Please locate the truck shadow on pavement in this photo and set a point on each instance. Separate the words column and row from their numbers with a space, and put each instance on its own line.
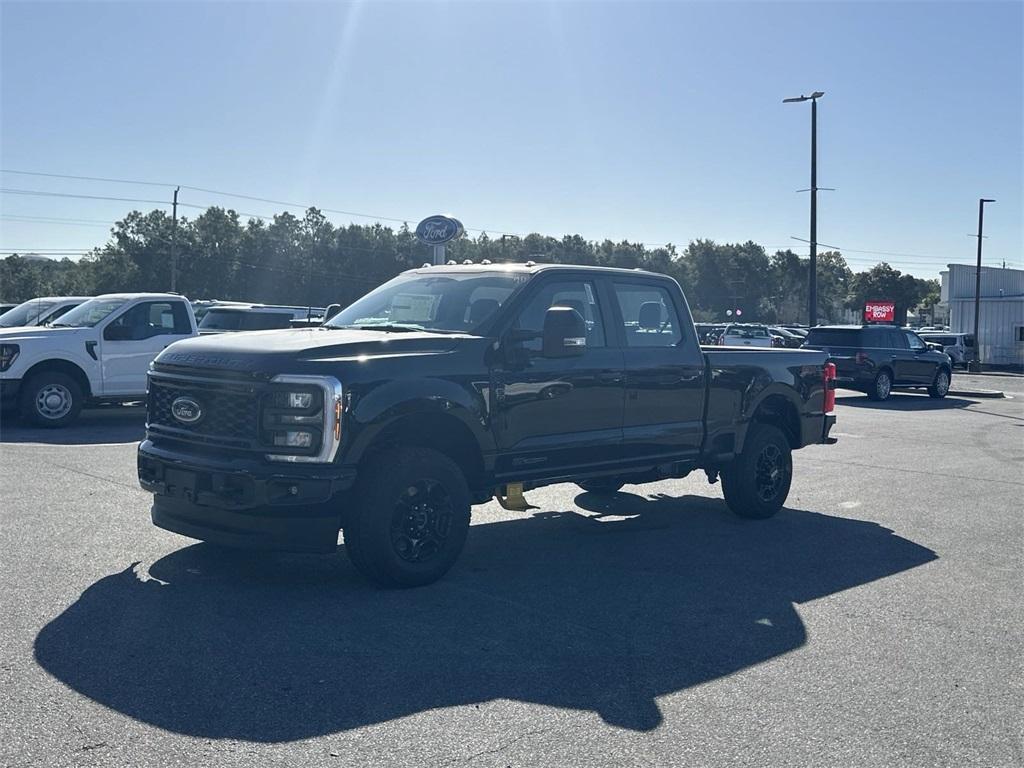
column 906, row 401
column 598, row 612
column 110, row 424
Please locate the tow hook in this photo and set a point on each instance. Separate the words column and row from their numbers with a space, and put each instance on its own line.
column 513, row 499
column 712, row 475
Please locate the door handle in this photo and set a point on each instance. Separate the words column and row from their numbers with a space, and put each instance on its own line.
column 611, row 377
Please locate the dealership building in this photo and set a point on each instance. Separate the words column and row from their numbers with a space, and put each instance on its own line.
column 1001, row 318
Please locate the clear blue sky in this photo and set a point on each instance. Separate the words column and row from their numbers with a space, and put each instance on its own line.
column 654, row 123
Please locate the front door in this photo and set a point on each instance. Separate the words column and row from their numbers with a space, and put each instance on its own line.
column 921, row 363
column 134, row 338
column 553, row 415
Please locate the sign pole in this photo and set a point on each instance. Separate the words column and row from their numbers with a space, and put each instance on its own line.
column 439, row 255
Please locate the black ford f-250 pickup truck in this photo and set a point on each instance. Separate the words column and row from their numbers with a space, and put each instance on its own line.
column 450, row 385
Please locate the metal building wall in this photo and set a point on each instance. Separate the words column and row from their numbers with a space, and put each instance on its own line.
column 999, row 324
column 962, row 278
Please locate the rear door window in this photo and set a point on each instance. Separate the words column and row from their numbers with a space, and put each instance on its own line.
column 649, row 316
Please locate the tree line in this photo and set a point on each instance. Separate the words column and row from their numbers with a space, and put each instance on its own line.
column 307, row 260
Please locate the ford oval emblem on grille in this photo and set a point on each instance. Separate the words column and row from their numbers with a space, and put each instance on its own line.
column 186, row 410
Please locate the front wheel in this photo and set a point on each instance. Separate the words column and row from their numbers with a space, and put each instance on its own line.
column 940, row 387
column 756, row 483
column 51, row 399
column 410, row 519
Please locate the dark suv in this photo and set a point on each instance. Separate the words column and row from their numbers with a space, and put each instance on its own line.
column 877, row 358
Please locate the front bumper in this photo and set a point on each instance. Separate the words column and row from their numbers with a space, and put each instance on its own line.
column 9, row 389
column 243, row 503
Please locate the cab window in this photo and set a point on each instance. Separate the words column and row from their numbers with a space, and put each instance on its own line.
column 915, row 343
column 575, row 294
column 148, row 319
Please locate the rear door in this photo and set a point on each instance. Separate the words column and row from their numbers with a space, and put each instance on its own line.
column 132, row 339
column 664, row 366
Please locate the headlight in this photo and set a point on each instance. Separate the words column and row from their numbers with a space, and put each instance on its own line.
column 300, row 400
column 8, row 354
column 300, row 419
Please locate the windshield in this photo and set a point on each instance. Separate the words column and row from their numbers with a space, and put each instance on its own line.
column 91, row 312
column 27, row 313
column 438, row 301
column 243, row 320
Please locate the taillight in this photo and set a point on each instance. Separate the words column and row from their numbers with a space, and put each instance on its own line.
column 860, row 357
column 829, row 378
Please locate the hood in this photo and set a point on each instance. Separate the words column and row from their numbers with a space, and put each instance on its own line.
column 38, row 332
column 272, row 351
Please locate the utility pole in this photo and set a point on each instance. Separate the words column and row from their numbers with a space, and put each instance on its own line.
column 976, row 363
column 174, row 241
column 812, row 278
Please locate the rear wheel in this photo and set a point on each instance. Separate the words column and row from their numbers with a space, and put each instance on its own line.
column 881, row 387
column 51, row 399
column 410, row 518
column 601, row 485
column 940, row 387
column 756, row 484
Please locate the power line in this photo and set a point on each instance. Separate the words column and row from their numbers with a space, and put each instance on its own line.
column 86, row 178
column 55, row 220
column 9, row 191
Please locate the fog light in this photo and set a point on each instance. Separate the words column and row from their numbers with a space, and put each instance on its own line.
column 300, row 399
column 293, row 439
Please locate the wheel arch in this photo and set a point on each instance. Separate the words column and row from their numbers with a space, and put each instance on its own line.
column 779, row 410
column 432, row 428
column 62, row 366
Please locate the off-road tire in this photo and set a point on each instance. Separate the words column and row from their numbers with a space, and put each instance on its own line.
column 757, row 481
column 50, row 399
column 409, row 503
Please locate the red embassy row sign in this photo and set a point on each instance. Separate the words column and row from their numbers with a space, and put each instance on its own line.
column 879, row 312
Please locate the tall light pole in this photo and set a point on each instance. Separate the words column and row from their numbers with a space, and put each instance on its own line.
column 976, row 363
column 812, row 280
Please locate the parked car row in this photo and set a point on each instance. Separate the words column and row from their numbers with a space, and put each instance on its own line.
column 875, row 359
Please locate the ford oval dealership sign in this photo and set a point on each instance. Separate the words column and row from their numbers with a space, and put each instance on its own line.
column 438, row 230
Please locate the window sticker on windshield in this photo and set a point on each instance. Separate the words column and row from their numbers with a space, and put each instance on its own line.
column 414, row 308
column 590, row 293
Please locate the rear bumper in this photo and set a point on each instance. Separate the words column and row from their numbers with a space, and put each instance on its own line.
column 243, row 503
column 830, row 421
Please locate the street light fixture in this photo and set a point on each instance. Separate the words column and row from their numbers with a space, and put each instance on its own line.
column 975, row 364
column 812, row 280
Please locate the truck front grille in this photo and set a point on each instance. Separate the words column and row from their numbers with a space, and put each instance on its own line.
column 229, row 411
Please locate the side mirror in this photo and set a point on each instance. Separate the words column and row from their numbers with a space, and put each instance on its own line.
column 565, row 333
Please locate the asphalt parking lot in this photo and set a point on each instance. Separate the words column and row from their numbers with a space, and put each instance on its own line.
column 874, row 622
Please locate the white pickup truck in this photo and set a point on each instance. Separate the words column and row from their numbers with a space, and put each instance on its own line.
column 98, row 352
